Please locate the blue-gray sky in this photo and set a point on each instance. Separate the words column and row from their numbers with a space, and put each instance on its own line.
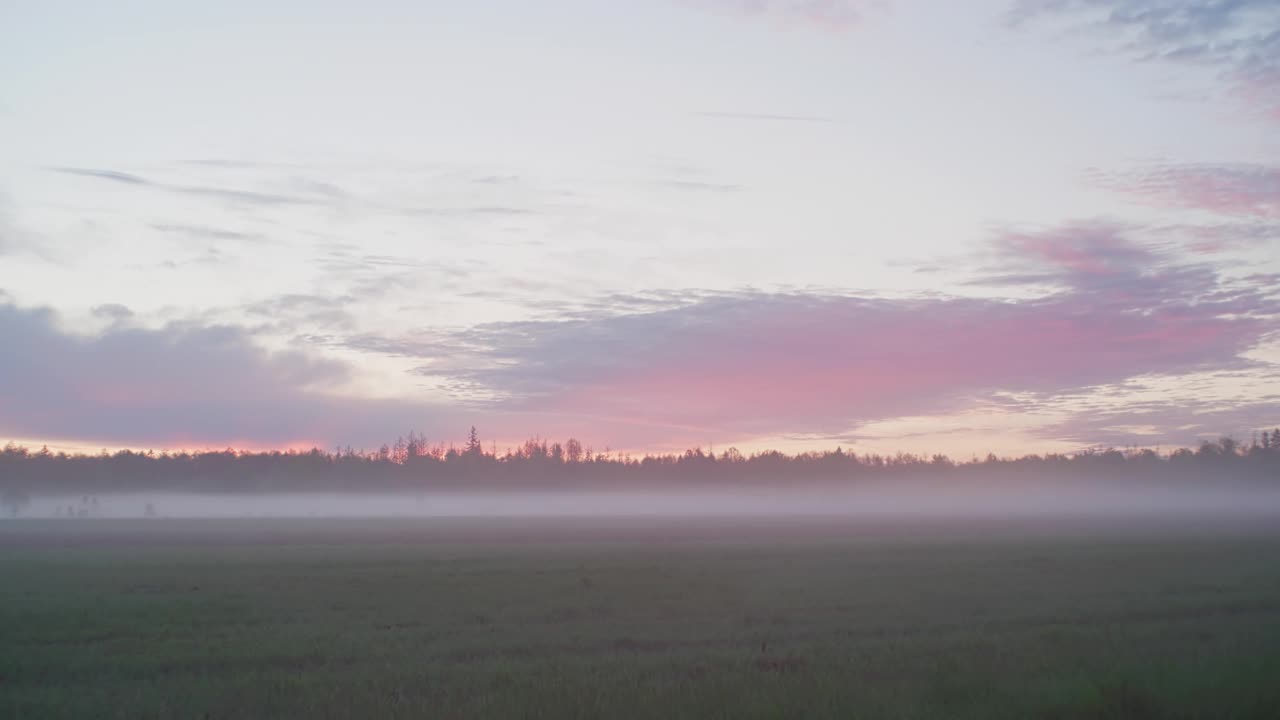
column 894, row 224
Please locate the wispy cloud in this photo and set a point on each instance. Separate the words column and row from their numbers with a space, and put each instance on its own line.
column 496, row 211
column 204, row 232
column 1238, row 38
column 295, row 312
column 237, row 164
column 112, row 175
column 15, row 240
column 1240, row 189
column 112, row 311
column 232, row 195
column 1214, row 238
column 701, row 186
column 830, row 14
column 767, row 117
column 1151, row 411
column 246, row 197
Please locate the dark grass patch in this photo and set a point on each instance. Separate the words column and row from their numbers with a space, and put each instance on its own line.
column 1073, row 627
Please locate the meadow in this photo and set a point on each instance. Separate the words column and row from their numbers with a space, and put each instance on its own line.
column 638, row 618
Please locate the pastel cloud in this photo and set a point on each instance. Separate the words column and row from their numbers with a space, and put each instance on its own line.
column 760, row 364
column 670, row 371
column 180, row 385
column 1240, row 189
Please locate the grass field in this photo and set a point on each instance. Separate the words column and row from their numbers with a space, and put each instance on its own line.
column 631, row 618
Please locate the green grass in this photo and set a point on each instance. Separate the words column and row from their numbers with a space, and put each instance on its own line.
column 254, row 620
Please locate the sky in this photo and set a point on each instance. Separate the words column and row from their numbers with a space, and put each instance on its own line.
column 1005, row 226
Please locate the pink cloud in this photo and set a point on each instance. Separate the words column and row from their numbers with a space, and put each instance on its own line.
column 1082, row 249
column 767, row 364
column 1244, row 190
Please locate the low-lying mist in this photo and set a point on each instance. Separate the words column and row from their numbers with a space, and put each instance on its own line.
column 870, row 502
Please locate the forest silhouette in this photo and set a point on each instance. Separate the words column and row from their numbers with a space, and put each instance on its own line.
column 412, row 463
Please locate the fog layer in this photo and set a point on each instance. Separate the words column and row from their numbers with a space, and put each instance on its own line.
column 866, row 501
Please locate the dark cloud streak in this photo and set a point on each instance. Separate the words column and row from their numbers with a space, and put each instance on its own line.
column 205, row 232
column 232, row 195
column 112, row 175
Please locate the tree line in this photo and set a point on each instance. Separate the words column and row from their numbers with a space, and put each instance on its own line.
column 414, row 463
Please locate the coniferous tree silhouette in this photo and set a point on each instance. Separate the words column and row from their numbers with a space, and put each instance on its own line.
column 473, row 449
